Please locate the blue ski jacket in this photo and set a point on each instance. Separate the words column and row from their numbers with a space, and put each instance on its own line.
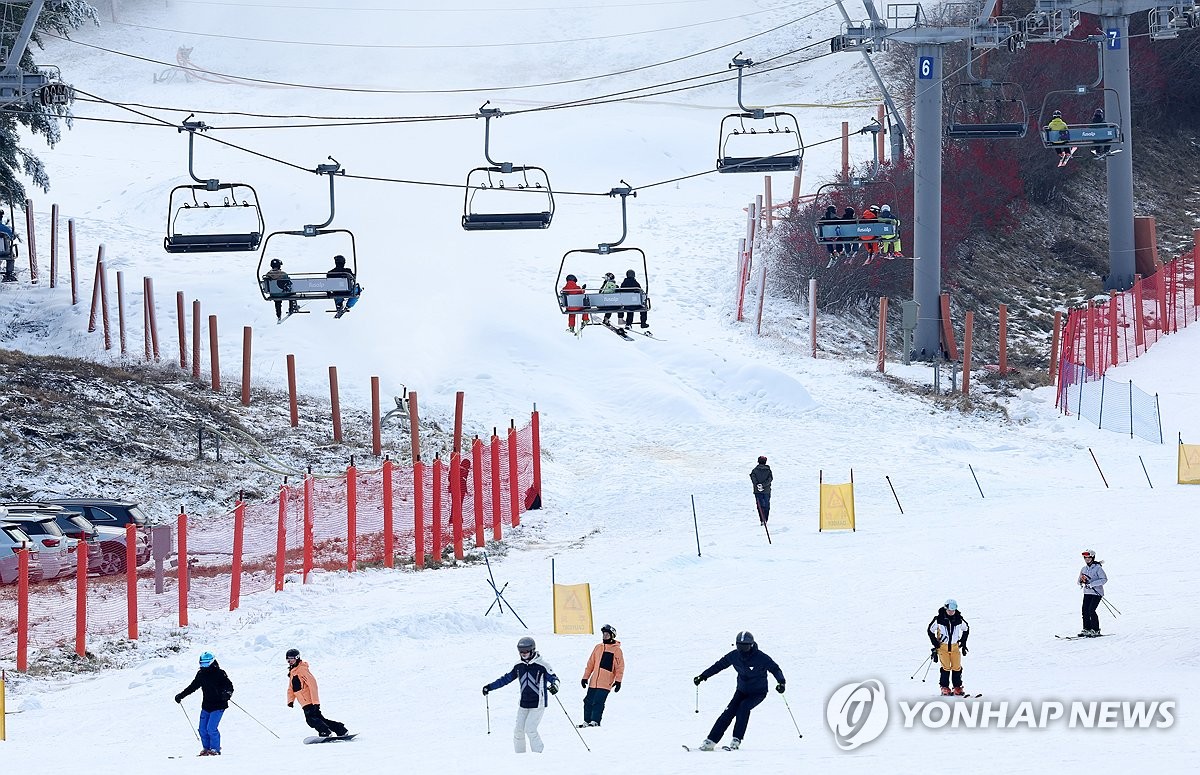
column 535, row 678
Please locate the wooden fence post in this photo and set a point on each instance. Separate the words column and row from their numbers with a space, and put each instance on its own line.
column 179, row 314
column 96, row 289
column 31, row 241
column 120, row 307
column 376, row 430
column 293, row 408
column 214, row 356
column 881, row 342
column 104, row 306
column 336, row 404
column 71, row 258
column 152, row 314
column 247, row 333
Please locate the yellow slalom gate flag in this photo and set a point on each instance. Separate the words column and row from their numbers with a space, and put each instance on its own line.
column 1189, row 463
column 837, row 506
column 573, row 609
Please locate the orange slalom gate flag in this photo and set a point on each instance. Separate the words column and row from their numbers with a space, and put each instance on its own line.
column 1189, row 463
column 837, row 506
column 573, row 609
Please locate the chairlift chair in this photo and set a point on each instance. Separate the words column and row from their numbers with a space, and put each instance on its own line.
column 209, row 196
column 310, row 285
column 855, row 230
column 1081, row 134
column 530, row 180
column 987, row 110
column 750, row 126
column 591, row 301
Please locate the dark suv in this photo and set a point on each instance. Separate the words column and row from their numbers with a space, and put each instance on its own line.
column 106, row 512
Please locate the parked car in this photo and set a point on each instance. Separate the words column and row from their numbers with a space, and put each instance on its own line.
column 12, row 539
column 55, row 549
column 106, row 512
column 106, row 545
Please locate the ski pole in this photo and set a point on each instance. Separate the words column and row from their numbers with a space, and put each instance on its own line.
column 189, row 721
column 487, row 705
column 927, row 667
column 925, row 663
column 243, row 710
column 789, row 710
column 1111, row 608
column 697, row 698
column 572, row 722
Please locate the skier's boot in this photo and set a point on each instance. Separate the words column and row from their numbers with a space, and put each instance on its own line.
column 735, row 744
column 707, row 745
column 958, row 691
column 946, row 691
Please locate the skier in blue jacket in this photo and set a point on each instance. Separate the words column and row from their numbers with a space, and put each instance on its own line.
column 752, row 667
column 537, row 682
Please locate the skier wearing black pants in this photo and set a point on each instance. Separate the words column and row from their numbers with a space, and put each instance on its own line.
column 752, row 667
column 1092, row 578
column 761, row 478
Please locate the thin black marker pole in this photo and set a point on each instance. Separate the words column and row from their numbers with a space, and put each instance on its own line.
column 976, row 478
column 696, row 525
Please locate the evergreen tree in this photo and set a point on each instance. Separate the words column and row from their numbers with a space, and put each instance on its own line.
column 58, row 17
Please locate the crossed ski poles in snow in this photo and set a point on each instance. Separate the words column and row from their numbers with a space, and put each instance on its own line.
column 499, row 601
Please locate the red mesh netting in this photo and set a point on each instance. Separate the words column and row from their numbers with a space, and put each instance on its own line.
column 310, row 532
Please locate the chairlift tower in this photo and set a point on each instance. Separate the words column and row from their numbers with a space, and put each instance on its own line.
column 1050, row 21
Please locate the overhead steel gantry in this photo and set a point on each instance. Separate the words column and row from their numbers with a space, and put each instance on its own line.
column 1050, row 21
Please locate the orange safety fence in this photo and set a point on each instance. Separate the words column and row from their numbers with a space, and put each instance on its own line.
column 223, row 565
column 1124, row 326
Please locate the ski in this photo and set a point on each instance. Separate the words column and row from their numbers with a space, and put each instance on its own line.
column 646, row 334
column 1080, row 637
column 701, row 750
column 727, row 748
column 618, row 331
column 1071, row 154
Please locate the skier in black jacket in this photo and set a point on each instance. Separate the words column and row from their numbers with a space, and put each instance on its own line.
column 761, row 478
column 752, row 667
column 215, row 691
column 630, row 282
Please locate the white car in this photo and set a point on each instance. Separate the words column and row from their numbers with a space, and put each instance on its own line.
column 56, row 550
column 106, row 545
column 13, row 539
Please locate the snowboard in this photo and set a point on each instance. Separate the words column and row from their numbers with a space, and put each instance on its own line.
column 331, row 739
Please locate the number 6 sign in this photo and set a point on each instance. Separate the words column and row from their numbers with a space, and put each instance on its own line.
column 925, row 67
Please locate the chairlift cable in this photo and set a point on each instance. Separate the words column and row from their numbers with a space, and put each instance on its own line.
column 361, row 90
column 291, row 7
column 439, row 46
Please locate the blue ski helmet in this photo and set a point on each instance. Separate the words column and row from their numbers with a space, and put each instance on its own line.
column 951, row 605
column 207, row 659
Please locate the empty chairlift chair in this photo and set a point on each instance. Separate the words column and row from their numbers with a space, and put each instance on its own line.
column 194, row 209
column 987, row 111
column 521, row 184
column 774, row 135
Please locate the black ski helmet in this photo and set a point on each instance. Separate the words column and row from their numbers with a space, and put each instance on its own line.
column 572, row 278
column 745, row 641
column 339, row 260
column 276, row 263
column 630, row 273
column 527, row 648
column 608, row 629
column 293, row 653
column 1057, row 114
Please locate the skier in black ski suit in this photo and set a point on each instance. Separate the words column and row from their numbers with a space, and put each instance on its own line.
column 761, row 478
column 629, row 282
column 215, row 691
column 752, row 667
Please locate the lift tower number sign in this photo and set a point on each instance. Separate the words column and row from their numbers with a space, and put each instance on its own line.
column 1114, row 38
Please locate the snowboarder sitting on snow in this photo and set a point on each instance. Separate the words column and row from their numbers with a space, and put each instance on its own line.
column 752, row 667
column 1092, row 578
column 215, row 691
column 760, row 479
column 605, row 668
column 537, row 682
column 302, row 688
column 948, row 633
column 284, row 282
column 1056, row 132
